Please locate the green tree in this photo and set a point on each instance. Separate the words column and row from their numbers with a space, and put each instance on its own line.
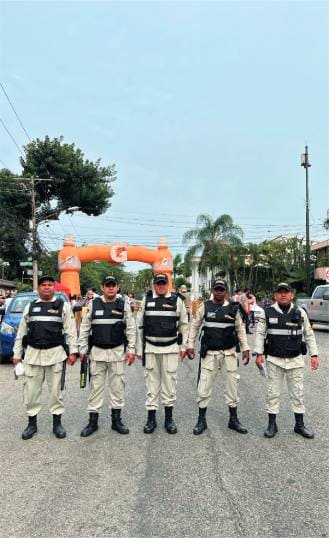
column 213, row 238
column 14, row 215
column 143, row 282
column 76, row 181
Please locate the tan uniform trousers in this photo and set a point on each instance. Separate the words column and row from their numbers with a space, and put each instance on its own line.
column 116, row 381
column 34, row 376
column 161, row 379
column 228, row 364
column 294, row 378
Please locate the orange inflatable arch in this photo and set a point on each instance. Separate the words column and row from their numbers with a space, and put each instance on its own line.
column 71, row 257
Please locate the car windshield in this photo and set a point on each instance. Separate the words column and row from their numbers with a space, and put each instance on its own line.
column 18, row 303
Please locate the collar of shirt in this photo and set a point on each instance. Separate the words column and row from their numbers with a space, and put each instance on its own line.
column 102, row 297
column 278, row 309
column 155, row 295
column 225, row 303
column 51, row 301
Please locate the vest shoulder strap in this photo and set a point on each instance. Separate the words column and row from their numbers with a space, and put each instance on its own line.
column 97, row 304
column 234, row 307
column 120, row 304
column 32, row 304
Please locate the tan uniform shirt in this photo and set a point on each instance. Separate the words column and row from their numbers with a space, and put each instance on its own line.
column 108, row 355
column 199, row 319
column 47, row 357
column 286, row 363
column 182, row 327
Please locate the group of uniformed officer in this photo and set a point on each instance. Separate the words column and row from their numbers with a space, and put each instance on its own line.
column 110, row 338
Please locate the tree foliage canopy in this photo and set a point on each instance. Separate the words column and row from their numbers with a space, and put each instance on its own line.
column 213, row 238
column 75, row 182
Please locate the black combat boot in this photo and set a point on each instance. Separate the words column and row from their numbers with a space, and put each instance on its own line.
column 151, row 423
column 31, row 428
column 92, row 425
column 117, row 423
column 234, row 423
column 272, row 428
column 301, row 428
column 169, row 421
column 201, row 425
column 57, row 427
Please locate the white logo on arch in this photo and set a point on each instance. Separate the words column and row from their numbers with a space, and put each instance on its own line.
column 119, row 253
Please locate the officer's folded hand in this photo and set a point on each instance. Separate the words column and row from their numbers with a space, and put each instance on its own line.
column 16, row 360
column 83, row 357
column 190, row 353
column 245, row 357
column 71, row 359
column 182, row 355
column 259, row 361
column 314, row 362
column 130, row 358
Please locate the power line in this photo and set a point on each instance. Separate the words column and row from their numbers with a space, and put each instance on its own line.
column 11, row 136
column 4, row 164
column 16, row 114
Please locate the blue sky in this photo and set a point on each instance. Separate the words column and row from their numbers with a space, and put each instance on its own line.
column 205, row 107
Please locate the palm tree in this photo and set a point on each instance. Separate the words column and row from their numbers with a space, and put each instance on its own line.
column 177, row 265
column 214, row 239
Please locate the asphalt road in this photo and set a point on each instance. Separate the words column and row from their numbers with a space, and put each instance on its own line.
column 219, row 484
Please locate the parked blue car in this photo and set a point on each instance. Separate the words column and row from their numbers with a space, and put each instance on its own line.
column 11, row 321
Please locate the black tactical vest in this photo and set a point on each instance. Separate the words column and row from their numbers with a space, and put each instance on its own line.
column 45, row 326
column 219, row 326
column 284, row 333
column 160, row 320
column 107, row 323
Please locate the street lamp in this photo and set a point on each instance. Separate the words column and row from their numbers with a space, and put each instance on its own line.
column 305, row 164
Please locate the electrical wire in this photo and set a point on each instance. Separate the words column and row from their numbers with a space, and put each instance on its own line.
column 11, row 136
column 4, row 164
column 16, row 114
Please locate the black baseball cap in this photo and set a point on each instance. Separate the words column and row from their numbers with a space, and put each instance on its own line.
column 283, row 285
column 219, row 283
column 110, row 279
column 160, row 277
column 43, row 278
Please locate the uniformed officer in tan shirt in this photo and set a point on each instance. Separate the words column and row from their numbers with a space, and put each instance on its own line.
column 283, row 326
column 161, row 317
column 44, row 323
column 111, row 326
column 223, row 329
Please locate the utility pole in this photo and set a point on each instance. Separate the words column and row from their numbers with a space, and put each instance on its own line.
column 305, row 164
column 34, row 225
column 34, row 237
